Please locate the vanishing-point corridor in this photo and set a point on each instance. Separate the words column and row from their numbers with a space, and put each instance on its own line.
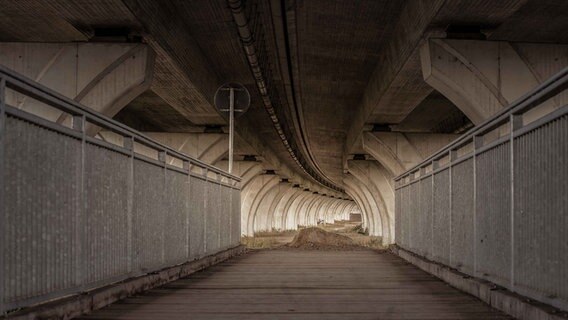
column 145, row 143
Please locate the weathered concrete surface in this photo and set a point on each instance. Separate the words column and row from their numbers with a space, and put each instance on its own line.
column 98, row 298
column 513, row 304
column 102, row 76
column 483, row 77
column 297, row 284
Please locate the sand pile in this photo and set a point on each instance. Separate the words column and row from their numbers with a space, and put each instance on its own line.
column 319, row 239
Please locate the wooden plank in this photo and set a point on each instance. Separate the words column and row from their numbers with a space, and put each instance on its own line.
column 295, row 284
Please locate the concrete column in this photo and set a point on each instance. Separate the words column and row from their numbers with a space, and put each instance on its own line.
column 102, row 76
column 375, row 213
column 483, row 77
column 377, row 181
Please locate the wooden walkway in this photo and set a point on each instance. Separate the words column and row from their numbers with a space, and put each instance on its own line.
column 292, row 284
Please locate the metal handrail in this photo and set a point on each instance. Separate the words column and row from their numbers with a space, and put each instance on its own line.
column 530, row 100
column 46, row 95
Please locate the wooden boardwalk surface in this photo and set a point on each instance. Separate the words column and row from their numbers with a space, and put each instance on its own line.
column 293, row 284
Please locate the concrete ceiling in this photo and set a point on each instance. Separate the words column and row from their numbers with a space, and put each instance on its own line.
column 324, row 57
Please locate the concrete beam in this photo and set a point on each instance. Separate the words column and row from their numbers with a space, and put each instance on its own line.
column 408, row 33
column 398, row 152
column 102, row 76
column 207, row 147
column 483, row 77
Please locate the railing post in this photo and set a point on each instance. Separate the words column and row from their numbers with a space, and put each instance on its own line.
column 205, row 195
column 477, row 143
column 162, row 157
column 79, row 124
column 453, row 156
column 129, row 145
column 187, row 166
column 2, row 203
column 435, row 165
column 515, row 122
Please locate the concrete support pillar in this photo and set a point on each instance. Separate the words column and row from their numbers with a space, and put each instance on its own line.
column 376, row 180
column 395, row 153
column 374, row 212
column 102, row 76
column 483, row 77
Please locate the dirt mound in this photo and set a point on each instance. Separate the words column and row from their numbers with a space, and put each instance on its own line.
column 319, row 239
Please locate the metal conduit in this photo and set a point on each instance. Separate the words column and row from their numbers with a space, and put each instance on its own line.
column 248, row 43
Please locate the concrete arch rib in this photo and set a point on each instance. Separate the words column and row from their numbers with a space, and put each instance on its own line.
column 286, row 206
column 263, row 215
column 275, row 216
column 247, row 170
column 324, row 209
column 281, row 208
column 380, row 190
column 250, row 199
column 356, row 195
column 376, row 212
column 311, row 217
column 302, row 212
column 330, row 213
column 371, row 209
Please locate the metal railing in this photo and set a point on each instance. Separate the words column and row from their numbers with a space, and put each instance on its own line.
column 79, row 212
column 494, row 203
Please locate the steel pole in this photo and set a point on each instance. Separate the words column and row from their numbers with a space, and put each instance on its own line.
column 231, row 126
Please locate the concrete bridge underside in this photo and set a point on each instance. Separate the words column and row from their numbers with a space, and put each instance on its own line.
column 441, row 124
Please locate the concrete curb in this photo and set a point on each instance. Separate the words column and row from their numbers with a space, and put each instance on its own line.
column 76, row 305
column 499, row 298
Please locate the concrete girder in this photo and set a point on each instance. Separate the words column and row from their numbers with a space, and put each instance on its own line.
column 251, row 195
column 102, row 76
column 483, row 77
column 374, row 210
column 377, row 181
column 411, row 28
column 398, row 152
column 207, row 147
